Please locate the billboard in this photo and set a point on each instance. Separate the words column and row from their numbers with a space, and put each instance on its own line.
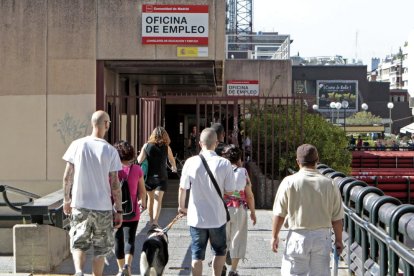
column 175, row 24
column 243, row 88
column 328, row 91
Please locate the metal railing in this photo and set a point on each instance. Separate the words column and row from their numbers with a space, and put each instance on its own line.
column 378, row 229
column 4, row 189
column 47, row 210
column 42, row 210
column 259, row 46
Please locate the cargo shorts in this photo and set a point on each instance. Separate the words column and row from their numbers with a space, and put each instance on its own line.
column 92, row 227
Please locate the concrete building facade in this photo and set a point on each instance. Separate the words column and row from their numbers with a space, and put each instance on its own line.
column 61, row 60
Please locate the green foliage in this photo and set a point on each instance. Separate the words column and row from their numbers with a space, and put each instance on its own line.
column 282, row 126
column 363, row 118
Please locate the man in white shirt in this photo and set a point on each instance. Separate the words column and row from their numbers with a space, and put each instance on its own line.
column 206, row 214
column 90, row 178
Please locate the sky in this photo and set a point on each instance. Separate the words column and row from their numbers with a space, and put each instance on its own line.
column 359, row 29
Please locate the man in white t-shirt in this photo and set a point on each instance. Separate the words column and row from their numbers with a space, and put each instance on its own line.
column 90, row 178
column 206, row 214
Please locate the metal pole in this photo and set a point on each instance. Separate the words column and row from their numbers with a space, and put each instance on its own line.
column 390, row 123
column 337, row 116
column 344, row 121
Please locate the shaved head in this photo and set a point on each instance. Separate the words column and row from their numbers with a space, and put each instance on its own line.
column 208, row 138
column 98, row 118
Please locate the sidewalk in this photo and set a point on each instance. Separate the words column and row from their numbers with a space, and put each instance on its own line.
column 260, row 259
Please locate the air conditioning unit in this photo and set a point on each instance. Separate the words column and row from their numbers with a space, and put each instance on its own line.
column 411, row 102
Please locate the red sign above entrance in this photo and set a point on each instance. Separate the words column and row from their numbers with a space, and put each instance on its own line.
column 175, row 24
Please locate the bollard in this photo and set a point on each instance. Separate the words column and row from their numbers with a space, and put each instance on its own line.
column 343, row 182
column 348, row 187
column 374, row 219
column 335, row 174
column 360, row 196
column 321, row 166
column 393, row 232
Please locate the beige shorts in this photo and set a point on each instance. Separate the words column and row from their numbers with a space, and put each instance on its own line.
column 91, row 227
column 307, row 252
column 236, row 230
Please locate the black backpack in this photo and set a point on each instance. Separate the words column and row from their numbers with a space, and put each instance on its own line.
column 128, row 210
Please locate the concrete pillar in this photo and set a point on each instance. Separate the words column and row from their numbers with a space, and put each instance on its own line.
column 39, row 248
column 6, row 241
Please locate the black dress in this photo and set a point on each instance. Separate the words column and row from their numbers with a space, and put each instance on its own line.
column 157, row 167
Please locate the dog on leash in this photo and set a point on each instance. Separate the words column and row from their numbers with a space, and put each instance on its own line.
column 154, row 254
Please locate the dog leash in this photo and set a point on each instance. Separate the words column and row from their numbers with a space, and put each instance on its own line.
column 168, row 227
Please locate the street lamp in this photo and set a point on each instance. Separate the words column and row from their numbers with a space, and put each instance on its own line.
column 338, row 106
column 390, row 106
column 364, row 107
column 345, row 105
column 332, row 105
column 315, row 107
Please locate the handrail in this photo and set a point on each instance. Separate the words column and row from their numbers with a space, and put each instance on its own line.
column 5, row 188
column 381, row 251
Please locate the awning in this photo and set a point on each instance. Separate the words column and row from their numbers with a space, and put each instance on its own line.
column 364, row 129
column 409, row 128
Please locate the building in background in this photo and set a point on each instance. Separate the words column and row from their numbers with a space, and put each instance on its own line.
column 323, row 84
column 144, row 63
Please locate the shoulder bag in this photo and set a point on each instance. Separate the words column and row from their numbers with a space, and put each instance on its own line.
column 215, row 185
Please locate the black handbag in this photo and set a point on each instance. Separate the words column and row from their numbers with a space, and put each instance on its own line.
column 215, row 185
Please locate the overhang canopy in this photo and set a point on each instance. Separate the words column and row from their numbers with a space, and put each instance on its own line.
column 364, row 129
column 408, row 128
column 170, row 75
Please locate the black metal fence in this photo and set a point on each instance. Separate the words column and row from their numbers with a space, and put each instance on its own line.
column 378, row 229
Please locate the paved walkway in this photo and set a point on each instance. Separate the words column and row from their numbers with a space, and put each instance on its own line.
column 260, row 259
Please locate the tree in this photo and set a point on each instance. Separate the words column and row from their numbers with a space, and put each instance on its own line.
column 363, row 118
column 330, row 140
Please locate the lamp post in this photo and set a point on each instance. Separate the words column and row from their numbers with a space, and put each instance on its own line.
column 390, row 106
column 315, row 107
column 345, row 105
column 338, row 106
column 332, row 106
column 364, row 107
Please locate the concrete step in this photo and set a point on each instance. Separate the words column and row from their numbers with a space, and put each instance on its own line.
column 170, row 199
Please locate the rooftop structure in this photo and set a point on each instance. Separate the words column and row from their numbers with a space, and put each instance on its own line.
column 324, row 60
column 258, row 46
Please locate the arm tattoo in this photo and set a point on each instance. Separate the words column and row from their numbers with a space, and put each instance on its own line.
column 68, row 181
column 116, row 190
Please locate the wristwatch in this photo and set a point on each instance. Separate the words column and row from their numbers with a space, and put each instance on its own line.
column 119, row 211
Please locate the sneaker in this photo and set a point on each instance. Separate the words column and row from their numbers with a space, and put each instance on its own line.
column 228, row 258
column 78, row 274
column 224, row 271
column 125, row 270
column 233, row 273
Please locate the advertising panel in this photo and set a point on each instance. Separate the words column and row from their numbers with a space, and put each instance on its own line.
column 337, row 91
column 243, row 88
column 175, row 24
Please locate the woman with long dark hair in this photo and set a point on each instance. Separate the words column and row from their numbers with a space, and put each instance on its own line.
column 125, row 235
